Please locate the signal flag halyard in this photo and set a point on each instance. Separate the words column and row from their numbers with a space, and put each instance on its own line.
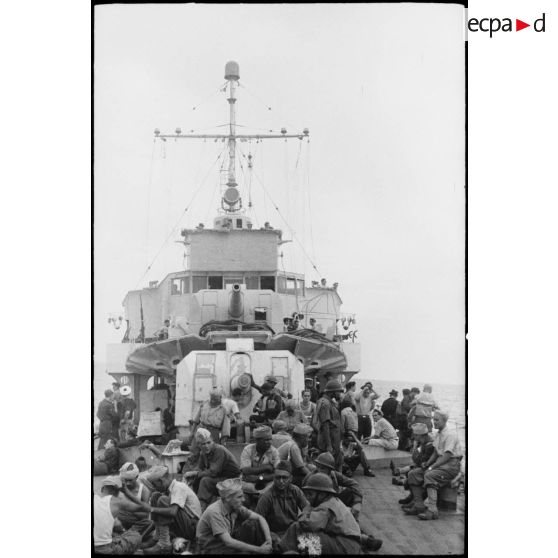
column 519, row 25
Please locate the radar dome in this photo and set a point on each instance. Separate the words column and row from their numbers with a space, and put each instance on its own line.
column 232, row 71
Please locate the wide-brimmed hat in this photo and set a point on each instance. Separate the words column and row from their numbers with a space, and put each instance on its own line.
column 394, row 392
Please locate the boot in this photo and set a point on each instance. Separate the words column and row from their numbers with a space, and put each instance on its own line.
column 368, row 473
column 407, row 500
column 163, row 545
column 369, row 542
column 428, row 514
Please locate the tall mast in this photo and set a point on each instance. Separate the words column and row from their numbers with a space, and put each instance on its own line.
column 230, row 200
column 232, row 76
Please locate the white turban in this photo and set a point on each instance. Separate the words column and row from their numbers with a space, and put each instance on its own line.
column 129, row 471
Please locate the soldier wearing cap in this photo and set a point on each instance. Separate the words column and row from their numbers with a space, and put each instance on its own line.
column 258, row 460
column 296, row 451
column 328, row 421
column 328, row 518
column 281, row 503
column 106, row 508
column 389, row 408
column 227, row 527
column 216, row 463
column 443, row 465
column 175, row 509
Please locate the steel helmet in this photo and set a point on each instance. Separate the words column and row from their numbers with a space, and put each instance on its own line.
column 320, row 483
column 326, row 459
column 333, row 385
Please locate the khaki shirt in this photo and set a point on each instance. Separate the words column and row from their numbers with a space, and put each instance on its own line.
column 332, row 517
column 447, row 441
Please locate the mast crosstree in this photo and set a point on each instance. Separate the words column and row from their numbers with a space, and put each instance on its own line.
column 231, row 200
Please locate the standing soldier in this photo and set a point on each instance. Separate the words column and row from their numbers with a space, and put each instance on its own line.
column 106, row 414
column 328, row 421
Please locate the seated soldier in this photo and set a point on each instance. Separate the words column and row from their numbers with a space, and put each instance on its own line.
column 280, row 435
column 421, row 454
column 216, row 463
column 281, row 503
column 257, row 461
column 292, row 415
column 296, row 451
column 129, row 476
column 175, row 509
column 385, row 435
column 106, row 508
column 327, row 521
column 351, row 448
column 268, row 406
column 348, row 490
column 227, row 527
column 213, row 416
column 439, row 470
column 108, row 463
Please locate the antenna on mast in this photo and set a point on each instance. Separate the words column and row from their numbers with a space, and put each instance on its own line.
column 231, row 197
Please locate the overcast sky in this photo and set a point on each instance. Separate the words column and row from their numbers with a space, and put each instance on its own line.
column 381, row 88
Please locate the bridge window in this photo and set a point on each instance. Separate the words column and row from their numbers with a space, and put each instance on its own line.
column 260, row 314
column 180, row 285
column 233, row 281
column 267, row 282
column 300, row 287
column 291, row 285
column 253, row 282
column 239, row 223
column 215, row 281
column 281, row 284
column 199, row 282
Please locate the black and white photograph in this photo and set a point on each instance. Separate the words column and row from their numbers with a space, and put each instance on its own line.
column 279, row 296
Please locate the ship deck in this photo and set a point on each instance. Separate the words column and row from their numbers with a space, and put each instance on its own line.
column 381, row 514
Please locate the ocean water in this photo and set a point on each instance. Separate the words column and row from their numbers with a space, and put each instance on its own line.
column 450, row 398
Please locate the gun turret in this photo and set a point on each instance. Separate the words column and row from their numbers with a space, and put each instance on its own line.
column 236, row 304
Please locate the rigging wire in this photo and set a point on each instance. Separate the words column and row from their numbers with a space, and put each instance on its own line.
column 308, row 195
column 253, row 95
column 286, row 223
column 210, row 95
column 149, row 201
column 180, row 219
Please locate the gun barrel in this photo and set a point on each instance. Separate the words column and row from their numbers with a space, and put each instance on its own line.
column 236, row 304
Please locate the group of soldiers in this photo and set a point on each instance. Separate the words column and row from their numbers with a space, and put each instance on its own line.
column 290, row 492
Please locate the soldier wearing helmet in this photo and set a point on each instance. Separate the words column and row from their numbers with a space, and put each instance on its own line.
column 327, row 518
column 328, row 421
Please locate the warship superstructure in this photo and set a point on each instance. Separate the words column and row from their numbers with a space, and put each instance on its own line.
column 233, row 315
